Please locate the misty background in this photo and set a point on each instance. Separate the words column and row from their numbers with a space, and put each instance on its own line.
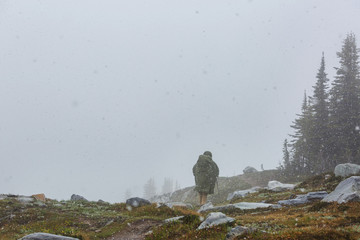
column 96, row 97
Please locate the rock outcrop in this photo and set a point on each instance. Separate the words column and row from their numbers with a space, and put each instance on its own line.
column 347, row 169
column 347, row 191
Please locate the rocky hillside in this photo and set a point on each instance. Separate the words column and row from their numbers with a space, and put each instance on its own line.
column 321, row 207
column 226, row 185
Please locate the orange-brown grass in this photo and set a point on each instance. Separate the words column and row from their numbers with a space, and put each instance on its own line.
column 331, row 221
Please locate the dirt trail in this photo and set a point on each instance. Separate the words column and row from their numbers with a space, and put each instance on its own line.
column 136, row 230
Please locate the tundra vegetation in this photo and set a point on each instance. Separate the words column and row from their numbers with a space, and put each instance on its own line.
column 100, row 220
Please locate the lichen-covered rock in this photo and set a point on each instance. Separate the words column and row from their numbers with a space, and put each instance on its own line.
column 347, row 169
column 46, row 236
column 249, row 169
column 137, row 202
column 242, row 193
column 347, row 191
column 76, row 197
column 214, row 219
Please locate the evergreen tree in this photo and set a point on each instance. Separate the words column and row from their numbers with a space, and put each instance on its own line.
column 345, row 106
column 301, row 141
column 149, row 189
column 320, row 122
column 286, row 155
column 167, row 186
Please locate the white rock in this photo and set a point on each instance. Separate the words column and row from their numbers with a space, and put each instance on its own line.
column 278, row 186
column 206, row 207
column 214, row 219
column 242, row 193
column 347, row 169
column 347, row 191
column 46, row 236
column 252, row 205
column 174, row 219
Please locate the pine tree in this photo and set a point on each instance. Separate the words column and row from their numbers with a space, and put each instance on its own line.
column 149, row 189
column 320, row 122
column 127, row 194
column 301, row 141
column 167, row 186
column 286, row 155
column 345, row 106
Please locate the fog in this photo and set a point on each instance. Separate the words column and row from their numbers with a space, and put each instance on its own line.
column 96, row 97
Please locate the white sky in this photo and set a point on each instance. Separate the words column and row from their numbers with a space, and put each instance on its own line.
column 98, row 96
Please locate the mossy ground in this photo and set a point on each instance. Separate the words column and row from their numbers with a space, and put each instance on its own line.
column 92, row 220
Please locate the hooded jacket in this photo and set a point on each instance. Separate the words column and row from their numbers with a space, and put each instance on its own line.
column 205, row 171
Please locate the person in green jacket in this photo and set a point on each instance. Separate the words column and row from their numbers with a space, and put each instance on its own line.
column 206, row 172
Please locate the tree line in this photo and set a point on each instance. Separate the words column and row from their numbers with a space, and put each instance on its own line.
column 327, row 131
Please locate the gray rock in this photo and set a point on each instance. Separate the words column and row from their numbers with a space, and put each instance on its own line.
column 249, row 169
column 46, row 236
column 242, row 193
column 347, row 191
column 214, row 219
column 277, row 186
column 304, row 198
column 237, row 232
column 347, row 169
column 206, row 207
column 316, row 195
column 137, row 202
column 75, row 197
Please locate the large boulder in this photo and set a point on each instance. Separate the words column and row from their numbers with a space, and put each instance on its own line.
column 277, row 186
column 137, row 202
column 46, row 236
column 75, row 197
column 249, row 169
column 214, row 219
column 242, row 193
column 304, row 198
column 347, row 169
column 347, row 191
